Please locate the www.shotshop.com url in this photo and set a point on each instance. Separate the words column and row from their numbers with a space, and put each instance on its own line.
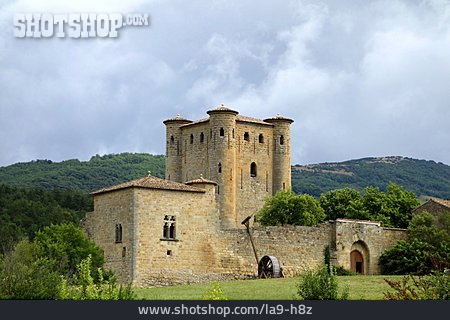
column 263, row 309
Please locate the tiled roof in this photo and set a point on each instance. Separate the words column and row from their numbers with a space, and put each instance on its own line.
column 150, row 183
column 196, row 122
column 252, row 120
column 201, row 180
column 444, row 202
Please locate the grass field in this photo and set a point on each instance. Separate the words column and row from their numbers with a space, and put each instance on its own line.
column 360, row 288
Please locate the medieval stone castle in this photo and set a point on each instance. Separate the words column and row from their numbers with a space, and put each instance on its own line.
column 187, row 227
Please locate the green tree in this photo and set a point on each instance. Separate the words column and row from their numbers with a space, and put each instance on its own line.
column 286, row 208
column 66, row 245
column 427, row 247
column 393, row 208
column 340, row 203
column 401, row 204
column 27, row 275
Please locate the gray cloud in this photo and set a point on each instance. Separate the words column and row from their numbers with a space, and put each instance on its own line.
column 359, row 79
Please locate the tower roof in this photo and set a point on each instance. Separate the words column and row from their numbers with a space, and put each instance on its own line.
column 177, row 118
column 150, row 182
column 201, row 180
column 222, row 109
column 277, row 118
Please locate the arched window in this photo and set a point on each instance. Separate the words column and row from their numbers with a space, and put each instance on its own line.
column 246, row 136
column 281, row 139
column 261, row 138
column 192, row 139
column 169, row 228
column 202, row 137
column 172, row 140
column 221, row 132
column 219, row 168
column 253, row 170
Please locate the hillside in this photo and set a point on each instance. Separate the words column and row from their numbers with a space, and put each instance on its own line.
column 424, row 178
column 87, row 176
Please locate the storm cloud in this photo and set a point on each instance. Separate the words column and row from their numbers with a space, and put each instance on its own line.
column 360, row 78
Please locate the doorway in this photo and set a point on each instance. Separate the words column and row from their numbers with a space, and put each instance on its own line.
column 357, row 261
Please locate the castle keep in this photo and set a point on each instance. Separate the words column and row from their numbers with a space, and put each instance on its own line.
column 187, row 227
column 248, row 158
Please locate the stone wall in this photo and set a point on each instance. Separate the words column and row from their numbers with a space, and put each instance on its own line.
column 369, row 238
column 113, row 208
column 297, row 247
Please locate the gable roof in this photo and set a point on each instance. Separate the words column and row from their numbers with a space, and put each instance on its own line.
column 150, row 182
column 442, row 202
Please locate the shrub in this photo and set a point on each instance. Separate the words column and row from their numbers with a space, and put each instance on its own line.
column 84, row 288
column 432, row 287
column 215, row 292
column 320, row 284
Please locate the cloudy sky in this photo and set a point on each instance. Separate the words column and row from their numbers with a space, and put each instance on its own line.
column 360, row 78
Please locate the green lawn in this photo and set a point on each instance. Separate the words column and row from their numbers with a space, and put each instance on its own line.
column 360, row 288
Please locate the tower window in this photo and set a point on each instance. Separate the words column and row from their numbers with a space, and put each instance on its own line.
column 281, row 139
column 172, row 140
column 246, row 136
column 253, row 170
column 202, row 137
column 219, row 168
column 118, row 233
column 261, row 138
column 169, row 228
column 222, row 132
column 192, row 139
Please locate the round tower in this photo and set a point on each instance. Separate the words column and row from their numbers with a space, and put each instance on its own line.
column 174, row 148
column 222, row 161
column 281, row 153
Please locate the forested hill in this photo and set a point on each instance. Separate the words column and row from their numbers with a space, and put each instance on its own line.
column 424, row 178
column 87, row 176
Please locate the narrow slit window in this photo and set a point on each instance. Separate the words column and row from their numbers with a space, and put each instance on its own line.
column 261, row 138
column 172, row 140
column 246, row 136
column 219, row 168
column 118, row 233
column 192, row 139
column 222, row 132
column 281, row 139
column 202, row 137
column 253, row 170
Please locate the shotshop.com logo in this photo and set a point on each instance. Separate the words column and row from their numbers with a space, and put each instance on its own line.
column 74, row 25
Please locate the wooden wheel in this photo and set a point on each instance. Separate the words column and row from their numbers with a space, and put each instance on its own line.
column 269, row 267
